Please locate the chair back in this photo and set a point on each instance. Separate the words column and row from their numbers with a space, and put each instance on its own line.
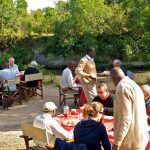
column 63, row 145
column 9, row 82
column 35, row 133
column 33, row 77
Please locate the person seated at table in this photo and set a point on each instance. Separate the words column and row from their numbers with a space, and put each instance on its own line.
column 32, row 70
column 90, row 130
column 146, row 92
column 67, row 80
column 7, row 74
column 13, row 66
column 105, row 98
column 54, row 129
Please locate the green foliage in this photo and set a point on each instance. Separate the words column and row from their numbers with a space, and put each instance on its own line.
column 116, row 28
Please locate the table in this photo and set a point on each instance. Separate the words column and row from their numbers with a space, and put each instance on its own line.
column 107, row 122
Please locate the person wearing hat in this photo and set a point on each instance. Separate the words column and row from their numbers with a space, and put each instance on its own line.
column 32, row 70
column 54, row 129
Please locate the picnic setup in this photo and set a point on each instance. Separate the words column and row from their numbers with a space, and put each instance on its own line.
column 75, row 75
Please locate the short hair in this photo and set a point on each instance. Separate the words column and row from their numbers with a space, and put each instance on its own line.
column 89, row 49
column 92, row 110
column 71, row 62
column 102, row 85
column 117, row 61
column 33, row 63
column 11, row 58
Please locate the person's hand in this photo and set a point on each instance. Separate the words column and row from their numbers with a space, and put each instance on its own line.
column 115, row 147
column 92, row 77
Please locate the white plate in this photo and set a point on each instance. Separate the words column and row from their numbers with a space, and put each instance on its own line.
column 108, row 117
column 70, row 122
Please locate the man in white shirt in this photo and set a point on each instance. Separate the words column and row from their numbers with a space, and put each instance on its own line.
column 54, row 129
column 13, row 66
column 67, row 80
column 7, row 74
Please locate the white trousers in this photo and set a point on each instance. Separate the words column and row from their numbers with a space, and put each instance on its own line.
column 90, row 91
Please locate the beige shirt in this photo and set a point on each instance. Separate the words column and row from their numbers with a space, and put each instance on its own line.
column 86, row 67
column 130, row 121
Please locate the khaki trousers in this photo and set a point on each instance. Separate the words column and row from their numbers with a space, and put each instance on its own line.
column 90, row 91
column 130, row 147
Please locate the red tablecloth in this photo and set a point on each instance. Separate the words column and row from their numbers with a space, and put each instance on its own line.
column 108, row 124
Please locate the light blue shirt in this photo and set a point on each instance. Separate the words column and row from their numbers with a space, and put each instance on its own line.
column 7, row 74
column 14, row 68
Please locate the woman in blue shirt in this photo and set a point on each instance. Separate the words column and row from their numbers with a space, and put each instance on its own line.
column 91, row 131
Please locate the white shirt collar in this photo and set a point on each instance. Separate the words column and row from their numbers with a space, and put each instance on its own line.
column 88, row 57
column 122, row 80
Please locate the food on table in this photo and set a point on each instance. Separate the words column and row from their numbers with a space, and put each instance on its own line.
column 70, row 122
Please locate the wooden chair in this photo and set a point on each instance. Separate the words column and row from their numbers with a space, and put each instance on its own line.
column 7, row 95
column 30, row 133
column 26, row 91
column 68, row 93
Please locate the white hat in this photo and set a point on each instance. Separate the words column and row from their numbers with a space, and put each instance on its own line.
column 33, row 63
column 49, row 106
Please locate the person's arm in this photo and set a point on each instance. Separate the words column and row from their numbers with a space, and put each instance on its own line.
column 60, row 132
column 79, row 69
column 109, row 109
column 69, row 79
column 16, row 69
column 124, row 101
column 105, row 141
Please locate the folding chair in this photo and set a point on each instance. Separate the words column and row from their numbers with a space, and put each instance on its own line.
column 26, row 91
column 7, row 95
column 68, row 93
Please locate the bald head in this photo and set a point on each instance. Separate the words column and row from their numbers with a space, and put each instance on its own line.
column 146, row 90
column 116, row 75
column 117, row 63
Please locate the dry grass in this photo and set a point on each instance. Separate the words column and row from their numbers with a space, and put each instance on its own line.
column 142, row 77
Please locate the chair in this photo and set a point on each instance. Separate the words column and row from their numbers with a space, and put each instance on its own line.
column 30, row 132
column 7, row 95
column 63, row 145
column 29, row 91
column 68, row 93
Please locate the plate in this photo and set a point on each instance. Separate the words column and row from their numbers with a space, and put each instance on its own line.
column 108, row 117
column 70, row 123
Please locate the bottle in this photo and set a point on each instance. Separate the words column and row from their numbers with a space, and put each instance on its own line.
column 66, row 109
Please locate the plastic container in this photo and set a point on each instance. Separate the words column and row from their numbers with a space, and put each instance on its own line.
column 66, row 109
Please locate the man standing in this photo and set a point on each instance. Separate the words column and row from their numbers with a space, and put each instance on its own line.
column 118, row 63
column 13, row 66
column 130, row 123
column 86, row 69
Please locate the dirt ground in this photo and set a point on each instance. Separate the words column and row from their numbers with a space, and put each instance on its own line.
column 10, row 120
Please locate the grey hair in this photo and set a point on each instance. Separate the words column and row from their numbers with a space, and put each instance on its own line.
column 33, row 63
column 117, row 61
